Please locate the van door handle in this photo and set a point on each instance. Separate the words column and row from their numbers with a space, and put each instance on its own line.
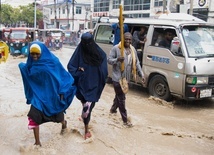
column 149, row 56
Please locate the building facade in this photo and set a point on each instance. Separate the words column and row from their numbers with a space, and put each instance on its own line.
column 83, row 14
column 67, row 14
column 203, row 9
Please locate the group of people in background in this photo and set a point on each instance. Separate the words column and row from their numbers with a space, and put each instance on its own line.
column 50, row 88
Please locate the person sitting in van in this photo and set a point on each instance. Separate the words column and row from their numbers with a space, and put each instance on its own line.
column 169, row 34
column 138, row 41
column 116, row 31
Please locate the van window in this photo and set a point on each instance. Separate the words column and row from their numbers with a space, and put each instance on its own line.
column 104, row 34
column 157, row 36
column 162, row 37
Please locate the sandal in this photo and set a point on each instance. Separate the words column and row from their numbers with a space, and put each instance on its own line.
column 86, row 109
column 87, row 135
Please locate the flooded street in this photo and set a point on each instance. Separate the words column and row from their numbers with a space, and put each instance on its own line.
column 160, row 128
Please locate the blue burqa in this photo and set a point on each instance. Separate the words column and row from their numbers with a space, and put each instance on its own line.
column 45, row 80
column 92, row 58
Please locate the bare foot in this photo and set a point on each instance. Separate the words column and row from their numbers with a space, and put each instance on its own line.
column 64, row 127
column 38, row 144
column 87, row 135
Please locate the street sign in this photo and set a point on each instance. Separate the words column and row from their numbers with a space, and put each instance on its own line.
column 46, row 15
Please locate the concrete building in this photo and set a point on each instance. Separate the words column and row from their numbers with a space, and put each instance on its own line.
column 81, row 14
column 67, row 14
column 203, row 9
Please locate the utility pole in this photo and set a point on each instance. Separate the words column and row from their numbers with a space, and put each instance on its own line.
column 164, row 6
column 122, row 2
column 73, row 14
column 35, row 14
column 191, row 7
column 55, row 13
column 86, row 14
column 0, row 13
column 68, row 27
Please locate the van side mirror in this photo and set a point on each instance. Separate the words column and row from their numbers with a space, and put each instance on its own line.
column 175, row 46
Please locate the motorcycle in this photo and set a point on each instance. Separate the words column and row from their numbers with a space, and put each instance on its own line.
column 57, row 43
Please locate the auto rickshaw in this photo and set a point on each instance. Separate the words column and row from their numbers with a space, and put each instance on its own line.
column 4, row 50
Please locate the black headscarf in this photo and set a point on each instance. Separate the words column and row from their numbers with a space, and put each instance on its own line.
column 90, row 52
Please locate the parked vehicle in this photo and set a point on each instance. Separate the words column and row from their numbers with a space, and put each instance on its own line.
column 5, row 34
column 18, row 41
column 70, row 37
column 67, row 37
column 33, row 34
column 42, row 35
column 185, row 69
column 54, row 38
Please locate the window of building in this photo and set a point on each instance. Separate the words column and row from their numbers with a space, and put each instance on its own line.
column 51, row 11
column 116, row 4
column 101, row 6
column 63, row 11
column 146, row 5
column 145, row 15
column 136, row 5
column 159, row 3
column 78, row 10
column 139, row 15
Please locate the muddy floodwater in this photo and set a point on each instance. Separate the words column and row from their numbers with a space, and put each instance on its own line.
column 160, row 128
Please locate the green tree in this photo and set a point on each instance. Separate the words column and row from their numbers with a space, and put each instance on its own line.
column 13, row 16
column 27, row 14
column 6, row 14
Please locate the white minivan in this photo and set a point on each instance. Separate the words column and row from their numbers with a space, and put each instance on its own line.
column 185, row 69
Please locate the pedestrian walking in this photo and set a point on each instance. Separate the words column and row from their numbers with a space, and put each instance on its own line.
column 88, row 66
column 48, row 88
column 132, row 67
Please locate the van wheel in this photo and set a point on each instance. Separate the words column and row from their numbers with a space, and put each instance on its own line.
column 158, row 87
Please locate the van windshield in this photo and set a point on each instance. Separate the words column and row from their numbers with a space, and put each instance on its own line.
column 56, row 34
column 18, row 35
column 199, row 40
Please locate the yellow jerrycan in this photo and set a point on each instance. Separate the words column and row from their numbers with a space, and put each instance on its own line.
column 4, row 50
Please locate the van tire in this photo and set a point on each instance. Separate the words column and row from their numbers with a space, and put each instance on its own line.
column 158, row 87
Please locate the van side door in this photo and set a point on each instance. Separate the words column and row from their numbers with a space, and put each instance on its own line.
column 104, row 36
column 158, row 59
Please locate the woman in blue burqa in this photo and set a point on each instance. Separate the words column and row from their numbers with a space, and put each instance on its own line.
column 88, row 66
column 48, row 88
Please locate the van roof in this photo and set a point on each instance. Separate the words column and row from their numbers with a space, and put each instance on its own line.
column 171, row 19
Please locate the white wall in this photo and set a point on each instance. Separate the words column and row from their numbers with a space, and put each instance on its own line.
column 78, row 18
